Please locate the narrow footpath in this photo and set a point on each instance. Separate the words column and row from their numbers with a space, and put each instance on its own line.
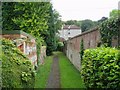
column 54, row 77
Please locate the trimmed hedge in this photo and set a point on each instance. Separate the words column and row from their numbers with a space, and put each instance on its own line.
column 17, row 71
column 101, row 68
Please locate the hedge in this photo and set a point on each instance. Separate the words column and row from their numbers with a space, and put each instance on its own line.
column 17, row 70
column 101, row 68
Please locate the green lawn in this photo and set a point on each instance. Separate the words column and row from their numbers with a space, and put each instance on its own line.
column 70, row 77
column 43, row 73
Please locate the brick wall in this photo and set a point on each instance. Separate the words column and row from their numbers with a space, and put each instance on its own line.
column 90, row 40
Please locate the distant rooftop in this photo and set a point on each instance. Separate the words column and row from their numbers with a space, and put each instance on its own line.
column 71, row 27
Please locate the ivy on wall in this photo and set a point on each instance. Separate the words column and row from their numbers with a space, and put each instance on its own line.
column 17, row 70
column 81, row 48
column 108, row 29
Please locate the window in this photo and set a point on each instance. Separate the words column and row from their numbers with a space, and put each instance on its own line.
column 68, row 32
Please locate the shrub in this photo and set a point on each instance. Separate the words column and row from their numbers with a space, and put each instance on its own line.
column 17, row 71
column 60, row 46
column 101, row 68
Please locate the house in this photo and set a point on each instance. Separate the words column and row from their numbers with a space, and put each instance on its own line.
column 69, row 31
column 25, row 42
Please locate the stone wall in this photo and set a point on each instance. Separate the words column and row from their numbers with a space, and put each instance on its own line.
column 42, row 54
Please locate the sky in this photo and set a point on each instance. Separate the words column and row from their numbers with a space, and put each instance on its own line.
column 84, row 9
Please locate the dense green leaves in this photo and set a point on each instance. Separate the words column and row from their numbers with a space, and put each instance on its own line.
column 36, row 18
column 17, row 70
column 87, row 25
column 115, row 13
column 101, row 68
column 81, row 48
column 109, row 29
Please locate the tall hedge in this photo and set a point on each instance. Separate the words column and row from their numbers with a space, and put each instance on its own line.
column 101, row 68
column 17, row 71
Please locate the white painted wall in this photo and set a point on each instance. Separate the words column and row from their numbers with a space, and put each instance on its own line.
column 69, row 33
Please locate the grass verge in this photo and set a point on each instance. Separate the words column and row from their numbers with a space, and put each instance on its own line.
column 69, row 75
column 43, row 73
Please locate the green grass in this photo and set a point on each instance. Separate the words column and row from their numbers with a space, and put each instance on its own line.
column 70, row 77
column 43, row 73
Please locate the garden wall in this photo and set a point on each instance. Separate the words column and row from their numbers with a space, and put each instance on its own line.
column 90, row 40
column 42, row 54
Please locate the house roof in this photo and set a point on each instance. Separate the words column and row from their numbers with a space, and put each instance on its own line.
column 70, row 27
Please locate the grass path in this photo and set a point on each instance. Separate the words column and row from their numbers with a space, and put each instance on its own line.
column 69, row 75
column 43, row 73
column 54, row 77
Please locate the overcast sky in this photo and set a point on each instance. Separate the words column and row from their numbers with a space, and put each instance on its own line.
column 84, row 9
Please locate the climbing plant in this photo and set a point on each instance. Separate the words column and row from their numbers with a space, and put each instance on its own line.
column 108, row 29
column 17, row 70
column 81, row 48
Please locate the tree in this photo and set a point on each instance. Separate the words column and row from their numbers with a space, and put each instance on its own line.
column 50, row 36
column 57, row 20
column 35, row 18
column 73, row 22
column 8, row 14
column 114, row 13
column 87, row 24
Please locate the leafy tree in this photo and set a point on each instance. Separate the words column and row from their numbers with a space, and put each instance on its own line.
column 50, row 36
column 108, row 29
column 7, row 15
column 115, row 13
column 102, row 19
column 57, row 20
column 35, row 18
column 87, row 24
column 73, row 22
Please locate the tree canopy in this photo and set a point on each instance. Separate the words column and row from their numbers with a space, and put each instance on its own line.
column 36, row 18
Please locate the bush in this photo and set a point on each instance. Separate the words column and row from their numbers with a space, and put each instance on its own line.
column 17, row 71
column 101, row 68
column 60, row 46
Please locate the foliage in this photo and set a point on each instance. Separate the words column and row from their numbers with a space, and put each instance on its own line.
column 17, row 71
column 43, row 73
column 60, row 46
column 51, row 36
column 31, row 17
column 81, row 49
column 115, row 13
column 73, row 22
column 39, row 43
column 7, row 16
column 102, row 19
column 101, row 68
column 87, row 24
column 69, row 75
column 108, row 29
column 57, row 20
column 35, row 18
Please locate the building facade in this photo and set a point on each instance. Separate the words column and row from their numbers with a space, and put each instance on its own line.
column 69, row 31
